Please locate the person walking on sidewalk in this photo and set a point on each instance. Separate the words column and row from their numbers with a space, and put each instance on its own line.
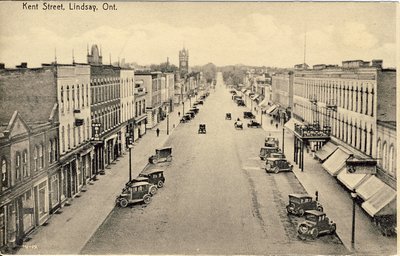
column 276, row 125
column 179, row 114
column 158, row 132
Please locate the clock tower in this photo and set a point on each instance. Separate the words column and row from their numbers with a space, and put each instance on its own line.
column 183, row 61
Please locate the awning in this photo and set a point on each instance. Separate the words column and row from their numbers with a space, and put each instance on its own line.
column 290, row 124
column 336, row 161
column 263, row 103
column 368, row 188
column 351, row 180
column 382, row 203
column 271, row 109
column 326, row 151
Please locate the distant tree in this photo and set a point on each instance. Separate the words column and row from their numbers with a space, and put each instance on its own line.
column 163, row 67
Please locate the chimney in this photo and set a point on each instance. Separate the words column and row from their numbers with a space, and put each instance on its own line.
column 377, row 63
column 23, row 65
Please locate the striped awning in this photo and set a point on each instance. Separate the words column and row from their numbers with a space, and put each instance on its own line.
column 382, row 202
column 263, row 103
column 368, row 188
column 336, row 161
column 326, row 151
column 351, row 180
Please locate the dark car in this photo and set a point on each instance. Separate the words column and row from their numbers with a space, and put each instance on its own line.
column 135, row 192
column 153, row 189
column 316, row 223
column 277, row 165
column 195, row 110
column 155, row 176
column 266, row 152
column 300, row 203
column 202, row 128
column 240, row 103
column 186, row 118
column 253, row 124
column 191, row 113
column 228, row 116
column 248, row 115
column 162, row 155
column 238, row 125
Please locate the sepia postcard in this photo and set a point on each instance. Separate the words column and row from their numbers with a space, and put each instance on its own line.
column 198, row 127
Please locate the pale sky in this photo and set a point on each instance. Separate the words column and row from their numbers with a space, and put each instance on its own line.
column 269, row 34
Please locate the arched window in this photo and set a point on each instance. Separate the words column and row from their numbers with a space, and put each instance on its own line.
column 4, row 174
column 67, row 98
column 78, row 97
column 73, row 97
column 384, row 156
column 379, row 151
column 391, row 164
column 25, row 170
column 18, row 166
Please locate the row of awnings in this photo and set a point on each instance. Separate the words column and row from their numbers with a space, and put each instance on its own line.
column 379, row 198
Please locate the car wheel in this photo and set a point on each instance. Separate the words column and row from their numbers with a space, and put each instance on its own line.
column 333, row 229
column 160, row 184
column 147, row 199
column 123, row 203
column 301, row 212
column 169, row 158
column 268, row 167
column 288, row 209
column 314, row 233
column 320, row 209
column 302, row 229
column 153, row 190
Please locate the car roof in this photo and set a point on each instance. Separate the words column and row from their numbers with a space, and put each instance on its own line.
column 274, row 147
column 151, row 171
column 164, row 148
column 301, row 195
column 137, row 184
column 315, row 212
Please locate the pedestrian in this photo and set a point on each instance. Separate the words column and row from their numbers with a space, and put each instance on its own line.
column 276, row 125
column 179, row 113
column 158, row 132
column 272, row 121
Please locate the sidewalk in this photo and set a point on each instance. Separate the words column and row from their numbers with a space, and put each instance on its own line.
column 69, row 231
column 337, row 202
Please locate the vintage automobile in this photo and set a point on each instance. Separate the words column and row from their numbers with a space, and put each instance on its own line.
column 202, row 128
column 300, row 203
column 134, row 193
column 315, row 223
column 186, row 118
column 155, row 176
column 228, row 116
column 238, row 125
column 277, row 165
column 153, row 189
column 191, row 113
column 240, row 103
column 253, row 124
column 248, row 115
column 162, row 155
column 271, row 142
column 195, row 110
column 266, row 152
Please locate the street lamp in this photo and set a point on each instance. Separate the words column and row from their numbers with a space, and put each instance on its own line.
column 130, row 146
column 353, row 223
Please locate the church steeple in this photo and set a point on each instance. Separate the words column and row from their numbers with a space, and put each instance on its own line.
column 183, row 61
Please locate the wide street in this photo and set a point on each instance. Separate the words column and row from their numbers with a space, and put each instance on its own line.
column 217, row 199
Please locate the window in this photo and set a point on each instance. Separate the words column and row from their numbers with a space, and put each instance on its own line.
column 18, row 165
column 78, row 96
column 41, row 157
column 67, row 98
column 62, row 99
column 55, row 149
column 63, row 138
column 88, row 127
column 87, row 95
column 4, row 174
column 83, row 95
column 50, row 151
column 74, row 137
column 35, row 158
column 42, row 199
column 391, row 168
column 384, row 156
column 69, row 136
column 25, row 171
column 73, row 96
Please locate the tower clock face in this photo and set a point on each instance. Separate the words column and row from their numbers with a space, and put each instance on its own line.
column 183, row 63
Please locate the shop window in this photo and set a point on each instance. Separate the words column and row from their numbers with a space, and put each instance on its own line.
column 42, row 199
column 55, row 193
column 4, row 174
column 28, row 210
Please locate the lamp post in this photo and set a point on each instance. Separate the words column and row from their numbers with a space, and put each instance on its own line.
column 353, row 222
column 130, row 146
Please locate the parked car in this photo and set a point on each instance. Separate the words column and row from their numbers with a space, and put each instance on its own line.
column 238, row 125
column 266, row 152
column 155, row 176
column 153, row 189
column 248, row 115
column 186, row 118
column 316, row 223
column 271, row 142
column 191, row 113
column 240, row 103
column 253, row 124
column 202, row 128
column 134, row 193
column 195, row 110
column 277, row 165
column 228, row 116
column 300, row 203
column 162, row 155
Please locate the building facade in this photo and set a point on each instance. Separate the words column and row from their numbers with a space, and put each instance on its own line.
column 183, row 62
column 127, row 85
